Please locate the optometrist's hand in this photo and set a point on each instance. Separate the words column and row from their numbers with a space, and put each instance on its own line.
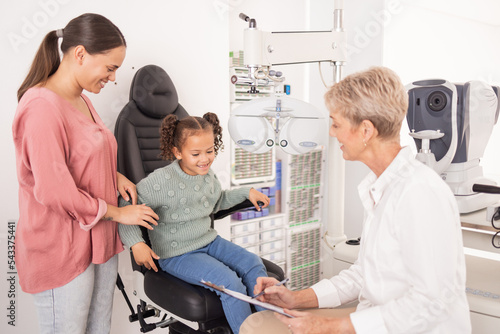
column 144, row 255
column 126, row 187
column 256, row 196
column 276, row 295
column 283, row 297
column 305, row 322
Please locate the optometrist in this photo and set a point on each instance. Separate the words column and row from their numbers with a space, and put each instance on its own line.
column 410, row 273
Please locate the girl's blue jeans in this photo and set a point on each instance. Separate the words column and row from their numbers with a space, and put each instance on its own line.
column 222, row 263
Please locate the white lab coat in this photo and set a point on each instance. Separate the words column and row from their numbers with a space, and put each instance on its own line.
column 410, row 273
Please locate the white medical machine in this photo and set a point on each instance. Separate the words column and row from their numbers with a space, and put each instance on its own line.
column 451, row 125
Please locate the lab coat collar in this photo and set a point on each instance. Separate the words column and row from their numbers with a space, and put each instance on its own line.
column 371, row 189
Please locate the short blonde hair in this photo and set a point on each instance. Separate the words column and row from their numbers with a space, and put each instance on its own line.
column 377, row 95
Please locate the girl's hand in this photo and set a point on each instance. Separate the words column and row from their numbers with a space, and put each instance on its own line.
column 144, row 255
column 126, row 187
column 307, row 323
column 255, row 196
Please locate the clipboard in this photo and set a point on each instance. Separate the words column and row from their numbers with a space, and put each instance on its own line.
column 246, row 298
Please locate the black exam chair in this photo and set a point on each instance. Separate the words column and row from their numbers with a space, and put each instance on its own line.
column 190, row 308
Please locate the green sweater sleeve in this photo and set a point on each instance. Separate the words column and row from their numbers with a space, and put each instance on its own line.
column 130, row 234
column 230, row 198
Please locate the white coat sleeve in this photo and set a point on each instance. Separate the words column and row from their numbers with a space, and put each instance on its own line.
column 340, row 289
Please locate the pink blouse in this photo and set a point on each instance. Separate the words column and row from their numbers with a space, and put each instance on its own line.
column 66, row 168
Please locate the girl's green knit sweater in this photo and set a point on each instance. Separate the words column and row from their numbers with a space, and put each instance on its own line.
column 183, row 203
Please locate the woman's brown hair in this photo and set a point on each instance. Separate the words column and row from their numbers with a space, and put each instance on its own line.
column 174, row 132
column 93, row 31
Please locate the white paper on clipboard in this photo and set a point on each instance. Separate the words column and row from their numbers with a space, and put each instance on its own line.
column 247, row 299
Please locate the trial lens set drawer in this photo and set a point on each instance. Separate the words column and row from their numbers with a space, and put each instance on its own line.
column 242, row 228
column 263, row 237
column 271, row 237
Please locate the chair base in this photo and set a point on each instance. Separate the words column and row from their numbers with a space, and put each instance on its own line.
column 180, row 328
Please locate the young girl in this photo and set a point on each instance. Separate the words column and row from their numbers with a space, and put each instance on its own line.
column 184, row 194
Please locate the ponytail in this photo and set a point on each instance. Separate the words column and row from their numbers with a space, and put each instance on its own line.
column 214, row 120
column 94, row 32
column 45, row 64
column 168, row 137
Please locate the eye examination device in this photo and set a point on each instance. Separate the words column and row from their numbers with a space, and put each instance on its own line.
column 451, row 125
column 293, row 125
column 263, row 49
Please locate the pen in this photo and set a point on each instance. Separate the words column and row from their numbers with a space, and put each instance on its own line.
column 277, row 284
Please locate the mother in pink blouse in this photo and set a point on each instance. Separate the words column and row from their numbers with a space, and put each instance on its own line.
column 67, row 237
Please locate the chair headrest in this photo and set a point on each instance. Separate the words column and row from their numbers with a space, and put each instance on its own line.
column 154, row 92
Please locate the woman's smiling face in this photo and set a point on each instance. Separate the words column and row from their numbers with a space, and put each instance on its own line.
column 349, row 137
column 100, row 68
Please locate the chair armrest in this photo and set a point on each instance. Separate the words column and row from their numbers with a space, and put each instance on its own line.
column 224, row 213
column 273, row 270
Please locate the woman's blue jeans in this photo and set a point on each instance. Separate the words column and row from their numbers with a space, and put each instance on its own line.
column 83, row 305
column 222, row 263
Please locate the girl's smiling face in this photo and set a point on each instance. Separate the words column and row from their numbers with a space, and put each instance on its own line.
column 197, row 153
